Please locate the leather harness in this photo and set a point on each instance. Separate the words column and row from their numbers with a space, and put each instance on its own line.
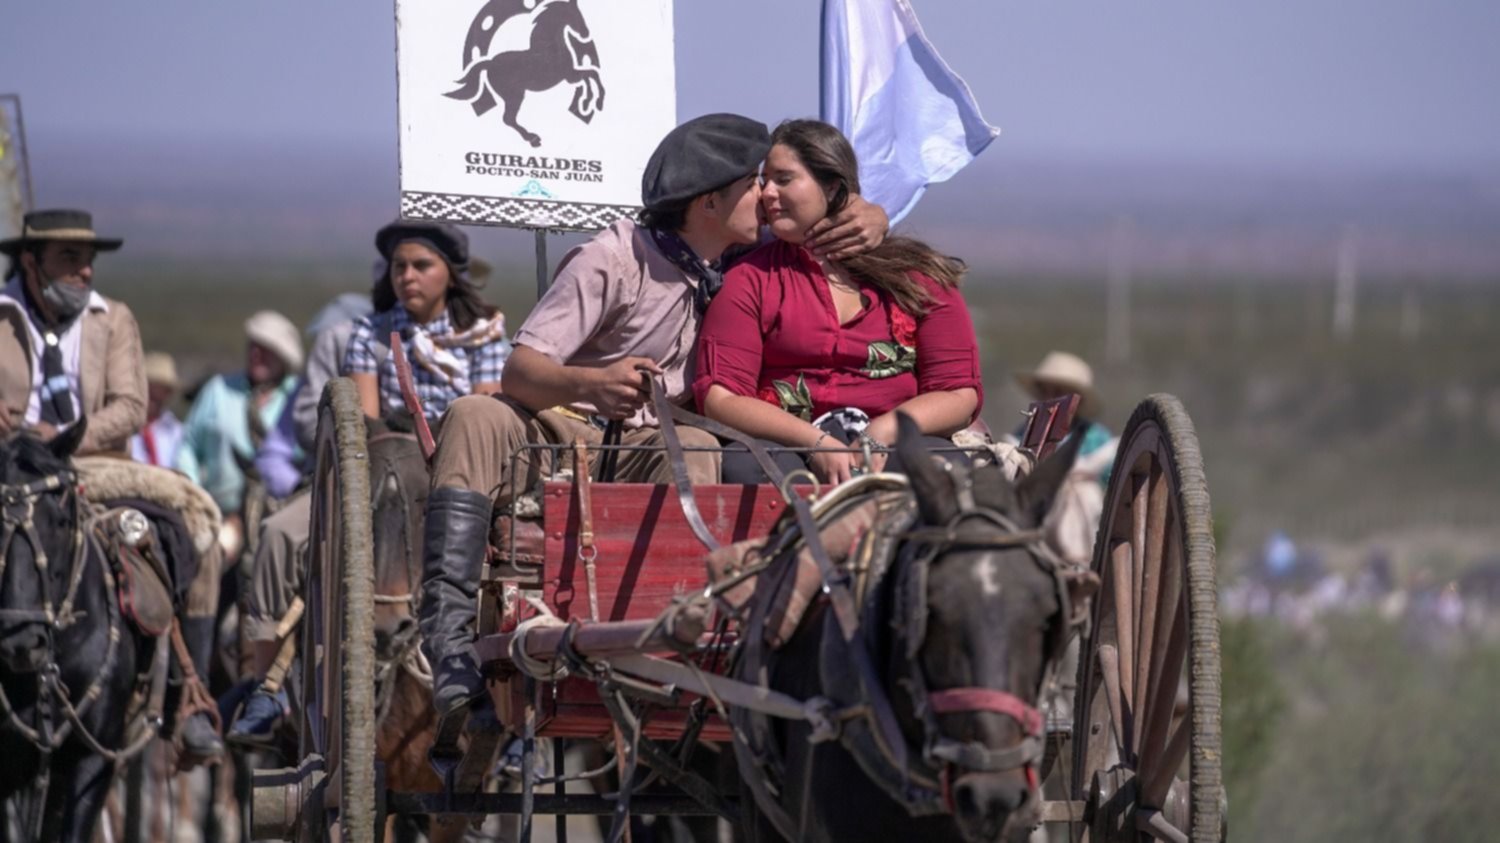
column 870, row 731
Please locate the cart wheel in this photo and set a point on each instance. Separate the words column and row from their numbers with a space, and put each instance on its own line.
column 338, row 636
column 1146, row 753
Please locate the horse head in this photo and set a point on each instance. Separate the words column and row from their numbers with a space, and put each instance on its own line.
column 998, row 612
column 37, row 542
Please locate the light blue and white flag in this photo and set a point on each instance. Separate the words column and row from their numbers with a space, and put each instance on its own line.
column 912, row 120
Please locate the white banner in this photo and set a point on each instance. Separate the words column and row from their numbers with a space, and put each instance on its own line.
column 531, row 113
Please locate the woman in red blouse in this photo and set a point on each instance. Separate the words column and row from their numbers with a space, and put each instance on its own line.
column 792, row 338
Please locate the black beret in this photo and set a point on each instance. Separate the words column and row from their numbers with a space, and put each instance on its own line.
column 703, row 154
column 448, row 240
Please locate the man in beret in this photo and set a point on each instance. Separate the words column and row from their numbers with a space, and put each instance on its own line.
column 66, row 352
column 622, row 307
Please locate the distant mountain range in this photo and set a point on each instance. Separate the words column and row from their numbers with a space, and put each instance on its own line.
column 242, row 201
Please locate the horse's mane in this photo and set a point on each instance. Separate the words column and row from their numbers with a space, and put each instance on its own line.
column 25, row 455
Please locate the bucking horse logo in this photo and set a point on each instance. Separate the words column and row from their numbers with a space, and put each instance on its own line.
column 559, row 49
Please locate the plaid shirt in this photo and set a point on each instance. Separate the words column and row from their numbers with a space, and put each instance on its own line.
column 368, row 356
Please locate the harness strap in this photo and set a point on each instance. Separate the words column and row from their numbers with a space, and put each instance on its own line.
column 836, row 582
column 954, row 700
column 587, row 552
column 410, row 397
column 678, row 459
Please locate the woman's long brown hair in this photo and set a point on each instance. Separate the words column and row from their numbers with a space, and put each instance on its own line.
column 827, row 154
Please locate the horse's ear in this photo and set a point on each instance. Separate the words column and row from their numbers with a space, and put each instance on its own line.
column 1035, row 492
column 64, row 444
column 932, row 485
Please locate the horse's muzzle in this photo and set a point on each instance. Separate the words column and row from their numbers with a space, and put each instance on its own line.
column 986, row 805
column 23, row 649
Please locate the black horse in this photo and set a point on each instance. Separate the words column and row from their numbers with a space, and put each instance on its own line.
column 63, row 645
column 560, row 50
column 961, row 628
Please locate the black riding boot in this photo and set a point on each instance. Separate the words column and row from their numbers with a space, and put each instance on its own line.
column 455, row 538
column 200, row 737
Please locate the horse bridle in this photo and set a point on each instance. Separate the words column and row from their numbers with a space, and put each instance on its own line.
column 952, row 758
column 17, row 510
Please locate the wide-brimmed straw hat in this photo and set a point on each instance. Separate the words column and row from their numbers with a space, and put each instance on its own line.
column 1065, row 371
column 277, row 333
column 58, row 224
column 161, row 369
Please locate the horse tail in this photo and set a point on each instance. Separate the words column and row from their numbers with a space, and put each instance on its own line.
column 472, row 88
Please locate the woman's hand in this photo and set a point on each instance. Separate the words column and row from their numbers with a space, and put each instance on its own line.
column 833, row 466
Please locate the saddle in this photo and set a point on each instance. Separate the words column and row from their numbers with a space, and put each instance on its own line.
column 142, row 582
column 146, row 584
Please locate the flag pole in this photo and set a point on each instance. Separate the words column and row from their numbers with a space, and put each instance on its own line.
column 542, row 281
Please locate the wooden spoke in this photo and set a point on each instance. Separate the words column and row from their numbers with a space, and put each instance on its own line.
column 1154, row 789
column 1140, row 491
column 1121, row 565
column 1147, row 599
column 1156, row 719
column 1109, row 669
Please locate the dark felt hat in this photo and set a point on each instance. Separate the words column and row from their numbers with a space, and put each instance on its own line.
column 703, row 154
column 447, row 240
column 58, row 224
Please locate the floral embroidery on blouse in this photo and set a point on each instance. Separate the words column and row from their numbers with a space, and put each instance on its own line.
column 796, row 400
column 888, row 359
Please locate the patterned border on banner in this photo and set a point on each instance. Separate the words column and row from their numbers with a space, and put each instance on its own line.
column 516, row 213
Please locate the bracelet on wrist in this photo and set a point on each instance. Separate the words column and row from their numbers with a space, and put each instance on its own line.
column 819, row 440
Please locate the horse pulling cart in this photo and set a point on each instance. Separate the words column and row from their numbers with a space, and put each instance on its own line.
column 597, row 625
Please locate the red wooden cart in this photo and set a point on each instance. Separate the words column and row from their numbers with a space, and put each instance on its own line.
column 607, row 561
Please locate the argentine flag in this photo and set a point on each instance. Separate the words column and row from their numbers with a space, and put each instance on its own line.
column 911, row 119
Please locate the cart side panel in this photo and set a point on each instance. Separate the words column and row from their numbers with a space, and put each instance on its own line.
column 647, row 554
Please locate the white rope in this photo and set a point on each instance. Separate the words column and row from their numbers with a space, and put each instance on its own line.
column 541, row 669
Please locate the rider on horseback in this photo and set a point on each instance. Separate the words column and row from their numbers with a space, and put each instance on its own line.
column 67, row 354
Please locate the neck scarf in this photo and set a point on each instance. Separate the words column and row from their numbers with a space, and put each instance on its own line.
column 710, row 275
column 432, row 352
column 56, row 388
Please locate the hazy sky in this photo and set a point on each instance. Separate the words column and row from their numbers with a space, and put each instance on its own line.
column 1385, row 82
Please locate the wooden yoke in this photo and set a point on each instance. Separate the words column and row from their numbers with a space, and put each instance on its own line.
column 1047, row 424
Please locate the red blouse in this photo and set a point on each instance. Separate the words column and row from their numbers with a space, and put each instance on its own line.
column 773, row 332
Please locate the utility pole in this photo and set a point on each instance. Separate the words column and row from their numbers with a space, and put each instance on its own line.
column 1117, row 296
column 1411, row 316
column 15, row 173
column 1346, row 280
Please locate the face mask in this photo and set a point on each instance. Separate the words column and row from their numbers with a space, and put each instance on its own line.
column 66, row 300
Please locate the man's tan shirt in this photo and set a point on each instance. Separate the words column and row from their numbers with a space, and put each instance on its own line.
column 111, row 379
column 617, row 296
